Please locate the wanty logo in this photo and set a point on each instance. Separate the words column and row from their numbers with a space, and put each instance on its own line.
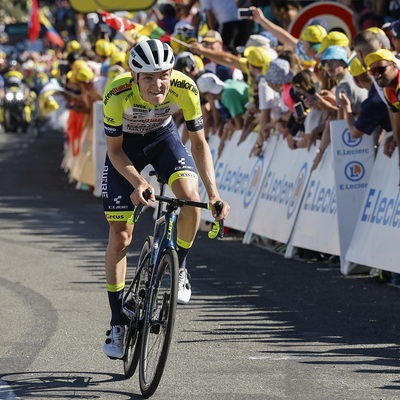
column 297, row 190
column 354, row 171
column 348, row 140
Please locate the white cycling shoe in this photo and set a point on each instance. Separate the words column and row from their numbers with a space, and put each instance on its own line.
column 184, row 288
column 114, row 345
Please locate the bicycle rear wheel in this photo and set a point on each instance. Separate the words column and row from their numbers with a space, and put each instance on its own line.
column 157, row 333
column 134, row 301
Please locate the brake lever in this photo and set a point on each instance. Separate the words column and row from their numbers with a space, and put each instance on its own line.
column 139, row 208
column 217, row 230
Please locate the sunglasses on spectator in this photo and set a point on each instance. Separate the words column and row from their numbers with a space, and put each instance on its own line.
column 378, row 70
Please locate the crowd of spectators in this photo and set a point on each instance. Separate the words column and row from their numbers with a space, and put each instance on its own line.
column 252, row 73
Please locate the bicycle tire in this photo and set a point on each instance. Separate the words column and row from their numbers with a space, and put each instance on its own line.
column 134, row 334
column 157, row 333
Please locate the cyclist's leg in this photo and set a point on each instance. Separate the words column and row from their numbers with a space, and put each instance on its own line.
column 118, row 208
column 189, row 217
column 175, row 165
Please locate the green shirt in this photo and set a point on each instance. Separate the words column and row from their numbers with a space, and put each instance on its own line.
column 234, row 97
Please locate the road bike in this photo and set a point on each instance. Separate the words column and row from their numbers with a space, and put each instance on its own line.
column 150, row 301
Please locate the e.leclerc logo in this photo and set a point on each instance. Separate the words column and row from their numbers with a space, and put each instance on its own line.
column 348, row 140
column 354, row 171
column 254, row 181
column 297, row 190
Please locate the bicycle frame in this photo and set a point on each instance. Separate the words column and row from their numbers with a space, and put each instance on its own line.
column 150, row 301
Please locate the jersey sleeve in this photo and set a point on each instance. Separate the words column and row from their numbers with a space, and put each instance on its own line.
column 113, row 105
column 188, row 100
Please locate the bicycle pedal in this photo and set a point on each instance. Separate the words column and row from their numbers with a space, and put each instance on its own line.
column 155, row 329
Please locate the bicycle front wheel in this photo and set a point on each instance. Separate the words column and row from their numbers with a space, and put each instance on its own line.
column 135, row 300
column 157, row 332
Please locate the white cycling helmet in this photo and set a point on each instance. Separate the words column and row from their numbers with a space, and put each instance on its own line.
column 151, row 56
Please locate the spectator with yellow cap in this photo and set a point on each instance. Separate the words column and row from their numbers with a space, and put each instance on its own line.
column 333, row 38
column 73, row 46
column 336, row 63
column 242, row 63
column 373, row 116
column 382, row 66
column 118, row 64
column 104, row 49
column 311, row 36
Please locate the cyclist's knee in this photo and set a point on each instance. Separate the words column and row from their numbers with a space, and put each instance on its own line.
column 186, row 189
column 120, row 236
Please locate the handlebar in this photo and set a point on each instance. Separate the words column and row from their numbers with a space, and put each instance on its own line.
column 217, row 229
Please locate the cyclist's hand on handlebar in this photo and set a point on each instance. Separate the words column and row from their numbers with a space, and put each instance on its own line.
column 142, row 194
column 219, row 209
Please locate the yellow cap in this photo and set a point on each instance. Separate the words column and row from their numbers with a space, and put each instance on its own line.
column 79, row 64
column 376, row 30
column 83, row 75
column 379, row 55
column 258, row 57
column 313, row 34
column 199, row 62
column 356, row 68
column 73, row 46
column 334, row 38
column 117, row 58
column 114, row 71
column 71, row 77
column 103, row 48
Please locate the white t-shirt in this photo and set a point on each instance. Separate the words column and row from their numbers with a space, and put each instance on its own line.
column 223, row 10
column 269, row 99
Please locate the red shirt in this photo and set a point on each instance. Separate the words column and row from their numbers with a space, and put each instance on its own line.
column 392, row 94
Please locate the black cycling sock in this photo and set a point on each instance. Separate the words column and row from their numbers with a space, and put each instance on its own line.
column 115, row 300
column 182, row 254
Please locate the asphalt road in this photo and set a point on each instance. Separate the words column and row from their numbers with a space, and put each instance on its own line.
column 258, row 327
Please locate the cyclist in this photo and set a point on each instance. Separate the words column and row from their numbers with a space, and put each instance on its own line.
column 138, row 109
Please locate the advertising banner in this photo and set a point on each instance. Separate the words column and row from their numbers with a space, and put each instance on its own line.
column 353, row 160
column 316, row 226
column 239, row 178
column 377, row 233
column 281, row 193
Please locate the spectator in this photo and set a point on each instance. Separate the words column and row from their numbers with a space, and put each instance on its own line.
column 395, row 31
column 334, row 38
column 232, row 96
column 306, row 84
column 336, row 63
column 274, row 113
column 382, row 65
column 373, row 116
column 213, row 40
column 311, row 36
column 222, row 16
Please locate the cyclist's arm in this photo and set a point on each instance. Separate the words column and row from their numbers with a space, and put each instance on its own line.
column 205, row 166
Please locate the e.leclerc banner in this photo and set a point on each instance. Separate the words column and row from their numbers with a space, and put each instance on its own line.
column 353, row 160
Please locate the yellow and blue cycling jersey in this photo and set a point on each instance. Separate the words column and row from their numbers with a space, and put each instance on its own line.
column 125, row 112
column 150, row 136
